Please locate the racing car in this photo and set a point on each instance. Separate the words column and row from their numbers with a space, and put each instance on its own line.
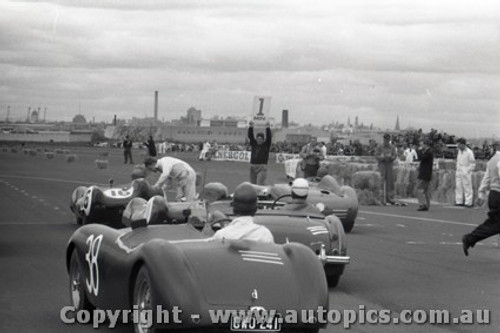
column 98, row 204
column 324, row 235
column 183, row 270
column 325, row 193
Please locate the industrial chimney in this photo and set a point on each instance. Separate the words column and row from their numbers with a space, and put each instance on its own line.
column 284, row 119
column 156, row 106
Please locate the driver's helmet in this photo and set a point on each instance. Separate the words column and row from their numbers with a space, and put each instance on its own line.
column 300, row 188
column 245, row 199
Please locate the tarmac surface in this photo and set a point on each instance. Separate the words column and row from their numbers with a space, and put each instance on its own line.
column 401, row 259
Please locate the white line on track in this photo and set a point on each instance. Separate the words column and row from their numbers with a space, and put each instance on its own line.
column 419, row 218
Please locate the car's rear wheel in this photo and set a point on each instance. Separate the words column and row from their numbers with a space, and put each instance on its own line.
column 348, row 225
column 333, row 280
column 77, row 285
column 144, row 302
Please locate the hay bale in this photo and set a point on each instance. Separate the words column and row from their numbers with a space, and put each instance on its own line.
column 25, row 151
column 5, row 149
column 367, row 197
column 367, row 180
column 13, row 150
column 70, row 158
column 39, row 150
column 50, row 155
column 101, row 164
column 32, row 152
column 59, row 151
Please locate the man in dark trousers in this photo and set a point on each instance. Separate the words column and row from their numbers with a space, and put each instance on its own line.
column 127, row 150
column 424, row 177
column 151, row 145
column 260, row 154
column 491, row 182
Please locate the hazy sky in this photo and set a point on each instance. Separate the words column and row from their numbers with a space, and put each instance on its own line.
column 435, row 63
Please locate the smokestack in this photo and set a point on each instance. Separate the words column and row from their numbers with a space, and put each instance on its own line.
column 284, row 119
column 114, row 120
column 44, row 114
column 156, row 106
column 28, row 115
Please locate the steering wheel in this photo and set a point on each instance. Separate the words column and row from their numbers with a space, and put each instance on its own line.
column 278, row 199
column 220, row 223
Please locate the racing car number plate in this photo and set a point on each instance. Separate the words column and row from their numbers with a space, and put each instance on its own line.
column 254, row 323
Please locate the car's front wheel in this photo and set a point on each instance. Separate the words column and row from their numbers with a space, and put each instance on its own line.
column 144, row 302
column 77, row 285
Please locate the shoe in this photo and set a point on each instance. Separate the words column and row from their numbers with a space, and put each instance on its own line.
column 459, row 205
column 465, row 245
column 422, row 209
column 469, row 206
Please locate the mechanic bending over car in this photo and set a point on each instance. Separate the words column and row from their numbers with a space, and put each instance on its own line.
column 300, row 191
column 243, row 227
column 179, row 171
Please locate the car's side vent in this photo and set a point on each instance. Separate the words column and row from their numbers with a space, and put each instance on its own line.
column 261, row 257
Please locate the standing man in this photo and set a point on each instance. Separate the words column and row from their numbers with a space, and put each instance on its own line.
column 311, row 157
column 490, row 182
column 424, row 175
column 127, row 150
column 204, row 151
column 175, row 169
column 151, row 145
column 463, row 176
column 386, row 154
column 410, row 154
column 260, row 147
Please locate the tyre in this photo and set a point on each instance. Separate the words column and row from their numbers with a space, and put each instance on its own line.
column 333, row 280
column 348, row 225
column 144, row 300
column 77, row 285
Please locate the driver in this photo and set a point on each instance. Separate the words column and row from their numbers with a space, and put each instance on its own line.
column 243, row 227
column 300, row 191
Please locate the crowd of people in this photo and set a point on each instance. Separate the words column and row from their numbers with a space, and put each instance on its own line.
column 411, row 146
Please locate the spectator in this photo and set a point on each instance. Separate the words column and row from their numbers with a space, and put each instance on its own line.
column 424, row 177
column 244, row 227
column 491, row 183
column 175, row 169
column 410, row 154
column 386, row 154
column 259, row 157
column 463, row 177
column 204, row 151
column 151, row 145
column 127, row 150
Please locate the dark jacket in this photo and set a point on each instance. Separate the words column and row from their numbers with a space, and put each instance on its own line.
column 426, row 158
column 260, row 153
column 151, row 147
column 127, row 145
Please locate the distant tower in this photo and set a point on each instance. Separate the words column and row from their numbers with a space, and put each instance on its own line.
column 397, row 124
column 28, row 115
column 8, row 114
column 284, row 119
column 348, row 121
column 156, row 106
column 356, row 121
column 44, row 114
